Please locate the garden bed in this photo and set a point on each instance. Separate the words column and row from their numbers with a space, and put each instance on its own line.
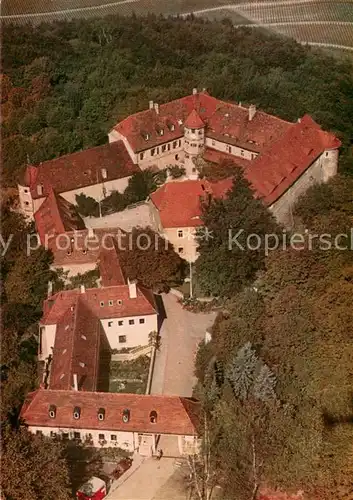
column 129, row 376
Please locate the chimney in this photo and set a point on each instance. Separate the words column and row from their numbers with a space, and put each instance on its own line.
column 240, row 106
column 75, row 382
column 151, row 105
column 83, row 288
column 156, row 108
column 132, row 289
column 252, row 111
column 194, row 91
column 50, row 289
column 299, row 120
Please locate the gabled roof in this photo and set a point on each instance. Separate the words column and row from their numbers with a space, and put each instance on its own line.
column 110, row 270
column 81, row 169
column 103, row 303
column 175, row 415
column 76, row 349
column 275, row 170
column 194, row 120
column 179, row 203
column 56, row 215
column 228, row 122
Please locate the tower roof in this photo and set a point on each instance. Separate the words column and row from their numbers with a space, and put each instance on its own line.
column 194, row 120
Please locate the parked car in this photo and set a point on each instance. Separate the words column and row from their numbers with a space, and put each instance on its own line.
column 94, row 489
column 123, row 465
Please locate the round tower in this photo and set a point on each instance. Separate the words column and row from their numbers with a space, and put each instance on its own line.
column 194, row 141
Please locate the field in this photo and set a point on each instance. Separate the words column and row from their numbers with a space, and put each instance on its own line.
column 312, row 21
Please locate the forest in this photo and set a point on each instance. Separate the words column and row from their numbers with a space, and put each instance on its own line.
column 65, row 84
column 275, row 381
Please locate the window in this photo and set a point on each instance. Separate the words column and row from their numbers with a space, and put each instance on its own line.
column 153, row 151
column 110, row 324
column 163, row 148
column 101, row 304
column 175, row 144
column 82, row 365
column 177, row 157
column 110, row 303
column 131, row 321
column 119, row 302
column 326, row 154
column 180, row 249
column 26, row 203
column 192, row 130
column 193, row 145
column 101, row 414
column 77, row 435
column 39, row 189
column 229, row 149
column 200, row 131
column 157, row 151
column 179, row 142
column 168, row 147
column 153, row 417
column 104, row 173
column 120, row 322
column 141, row 321
column 122, row 339
column 187, row 156
column 26, row 191
column 213, row 143
column 113, row 437
column 180, row 233
column 52, row 434
column 101, row 437
column 242, row 152
column 65, row 435
column 39, row 433
column 141, row 156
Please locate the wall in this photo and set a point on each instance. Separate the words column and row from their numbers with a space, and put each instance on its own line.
column 26, row 202
column 125, row 440
column 136, row 334
column 96, row 191
column 320, row 171
column 187, row 242
column 234, row 150
column 47, row 340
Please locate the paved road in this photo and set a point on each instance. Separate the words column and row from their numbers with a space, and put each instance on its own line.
column 181, row 332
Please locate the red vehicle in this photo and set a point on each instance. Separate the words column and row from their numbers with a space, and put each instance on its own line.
column 122, row 466
column 94, row 489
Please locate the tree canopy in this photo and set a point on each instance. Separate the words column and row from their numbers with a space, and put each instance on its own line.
column 66, row 84
column 292, row 410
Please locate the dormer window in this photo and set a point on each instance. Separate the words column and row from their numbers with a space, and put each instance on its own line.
column 172, row 127
column 126, row 416
column 101, row 414
column 101, row 303
column 146, row 136
column 180, row 122
column 104, row 173
column 52, row 411
column 40, row 189
column 110, row 302
column 153, row 417
column 77, row 412
column 119, row 302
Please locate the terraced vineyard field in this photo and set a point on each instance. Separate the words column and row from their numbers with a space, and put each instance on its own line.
column 311, row 21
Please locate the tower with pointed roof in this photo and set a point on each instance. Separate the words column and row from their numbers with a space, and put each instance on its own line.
column 194, row 141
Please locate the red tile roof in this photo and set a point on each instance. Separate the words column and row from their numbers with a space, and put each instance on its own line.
column 194, row 120
column 56, row 215
column 81, row 169
column 175, row 415
column 76, row 349
column 275, row 170
column 110, row 269
column 225, row 121
column 56, row 306
column 179, row 204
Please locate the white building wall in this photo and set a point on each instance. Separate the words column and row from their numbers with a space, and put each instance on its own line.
column 230, row 149
column 136, row 334
column 26, row 202
column 124, row 440
column 47, row 340
column 185, row 246
column 320, row 171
